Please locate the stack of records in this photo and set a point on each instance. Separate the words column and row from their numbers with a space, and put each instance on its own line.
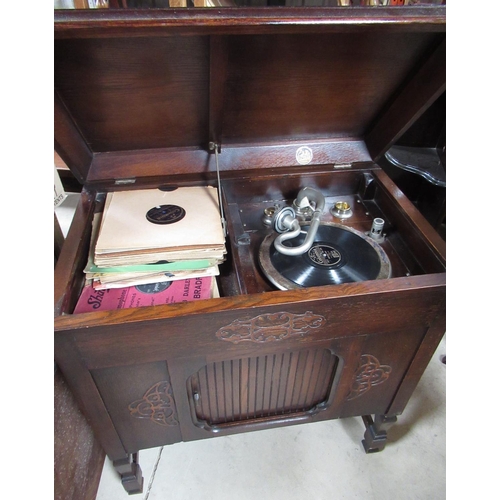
column 152, row 235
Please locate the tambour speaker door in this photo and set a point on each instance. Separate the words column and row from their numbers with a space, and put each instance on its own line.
column 288, row 385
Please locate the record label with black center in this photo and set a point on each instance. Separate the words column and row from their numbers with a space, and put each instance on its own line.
column 324, row 255
column 165, row 214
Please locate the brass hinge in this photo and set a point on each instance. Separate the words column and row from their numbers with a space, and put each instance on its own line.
column 124, row 182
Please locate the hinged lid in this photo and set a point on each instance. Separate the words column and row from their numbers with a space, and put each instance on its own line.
column 142, row 94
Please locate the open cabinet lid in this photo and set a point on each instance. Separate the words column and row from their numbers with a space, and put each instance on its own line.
column 142, row 94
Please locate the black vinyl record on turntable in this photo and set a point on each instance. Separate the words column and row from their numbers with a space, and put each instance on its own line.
column 338, row 254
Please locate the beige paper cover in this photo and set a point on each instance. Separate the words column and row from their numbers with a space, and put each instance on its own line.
column 125, row 226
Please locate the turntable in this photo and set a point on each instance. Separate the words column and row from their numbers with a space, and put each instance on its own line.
column 353, row 241
column 324, row 253
column 337, row 255
column 332, row 295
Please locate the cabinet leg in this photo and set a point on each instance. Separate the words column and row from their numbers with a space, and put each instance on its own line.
column 130, row 473
column 375, row 436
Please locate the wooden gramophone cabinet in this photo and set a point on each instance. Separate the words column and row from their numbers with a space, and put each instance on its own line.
column 147, row 98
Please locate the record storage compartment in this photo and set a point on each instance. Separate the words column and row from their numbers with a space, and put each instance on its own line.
column 149, row 112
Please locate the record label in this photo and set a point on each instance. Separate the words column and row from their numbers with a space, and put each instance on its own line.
column 324, row 255
column 152, row 288
column 165, row 214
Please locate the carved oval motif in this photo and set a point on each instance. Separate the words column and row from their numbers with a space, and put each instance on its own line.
column 270, row 327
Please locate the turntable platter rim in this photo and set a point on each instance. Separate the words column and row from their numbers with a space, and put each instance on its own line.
column 283, row 283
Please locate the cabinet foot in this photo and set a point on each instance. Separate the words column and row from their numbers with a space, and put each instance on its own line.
column 130, row 473
column 375, row 436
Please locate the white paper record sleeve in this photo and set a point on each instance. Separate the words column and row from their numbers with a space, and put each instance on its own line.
column 154, row 219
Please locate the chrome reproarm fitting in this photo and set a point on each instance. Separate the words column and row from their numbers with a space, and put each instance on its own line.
column 285, row 222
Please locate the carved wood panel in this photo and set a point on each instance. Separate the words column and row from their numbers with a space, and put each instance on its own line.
column 270, row 327
column 141, row 404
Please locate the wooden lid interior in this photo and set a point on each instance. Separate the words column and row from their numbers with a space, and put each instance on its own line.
column 125, row 101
